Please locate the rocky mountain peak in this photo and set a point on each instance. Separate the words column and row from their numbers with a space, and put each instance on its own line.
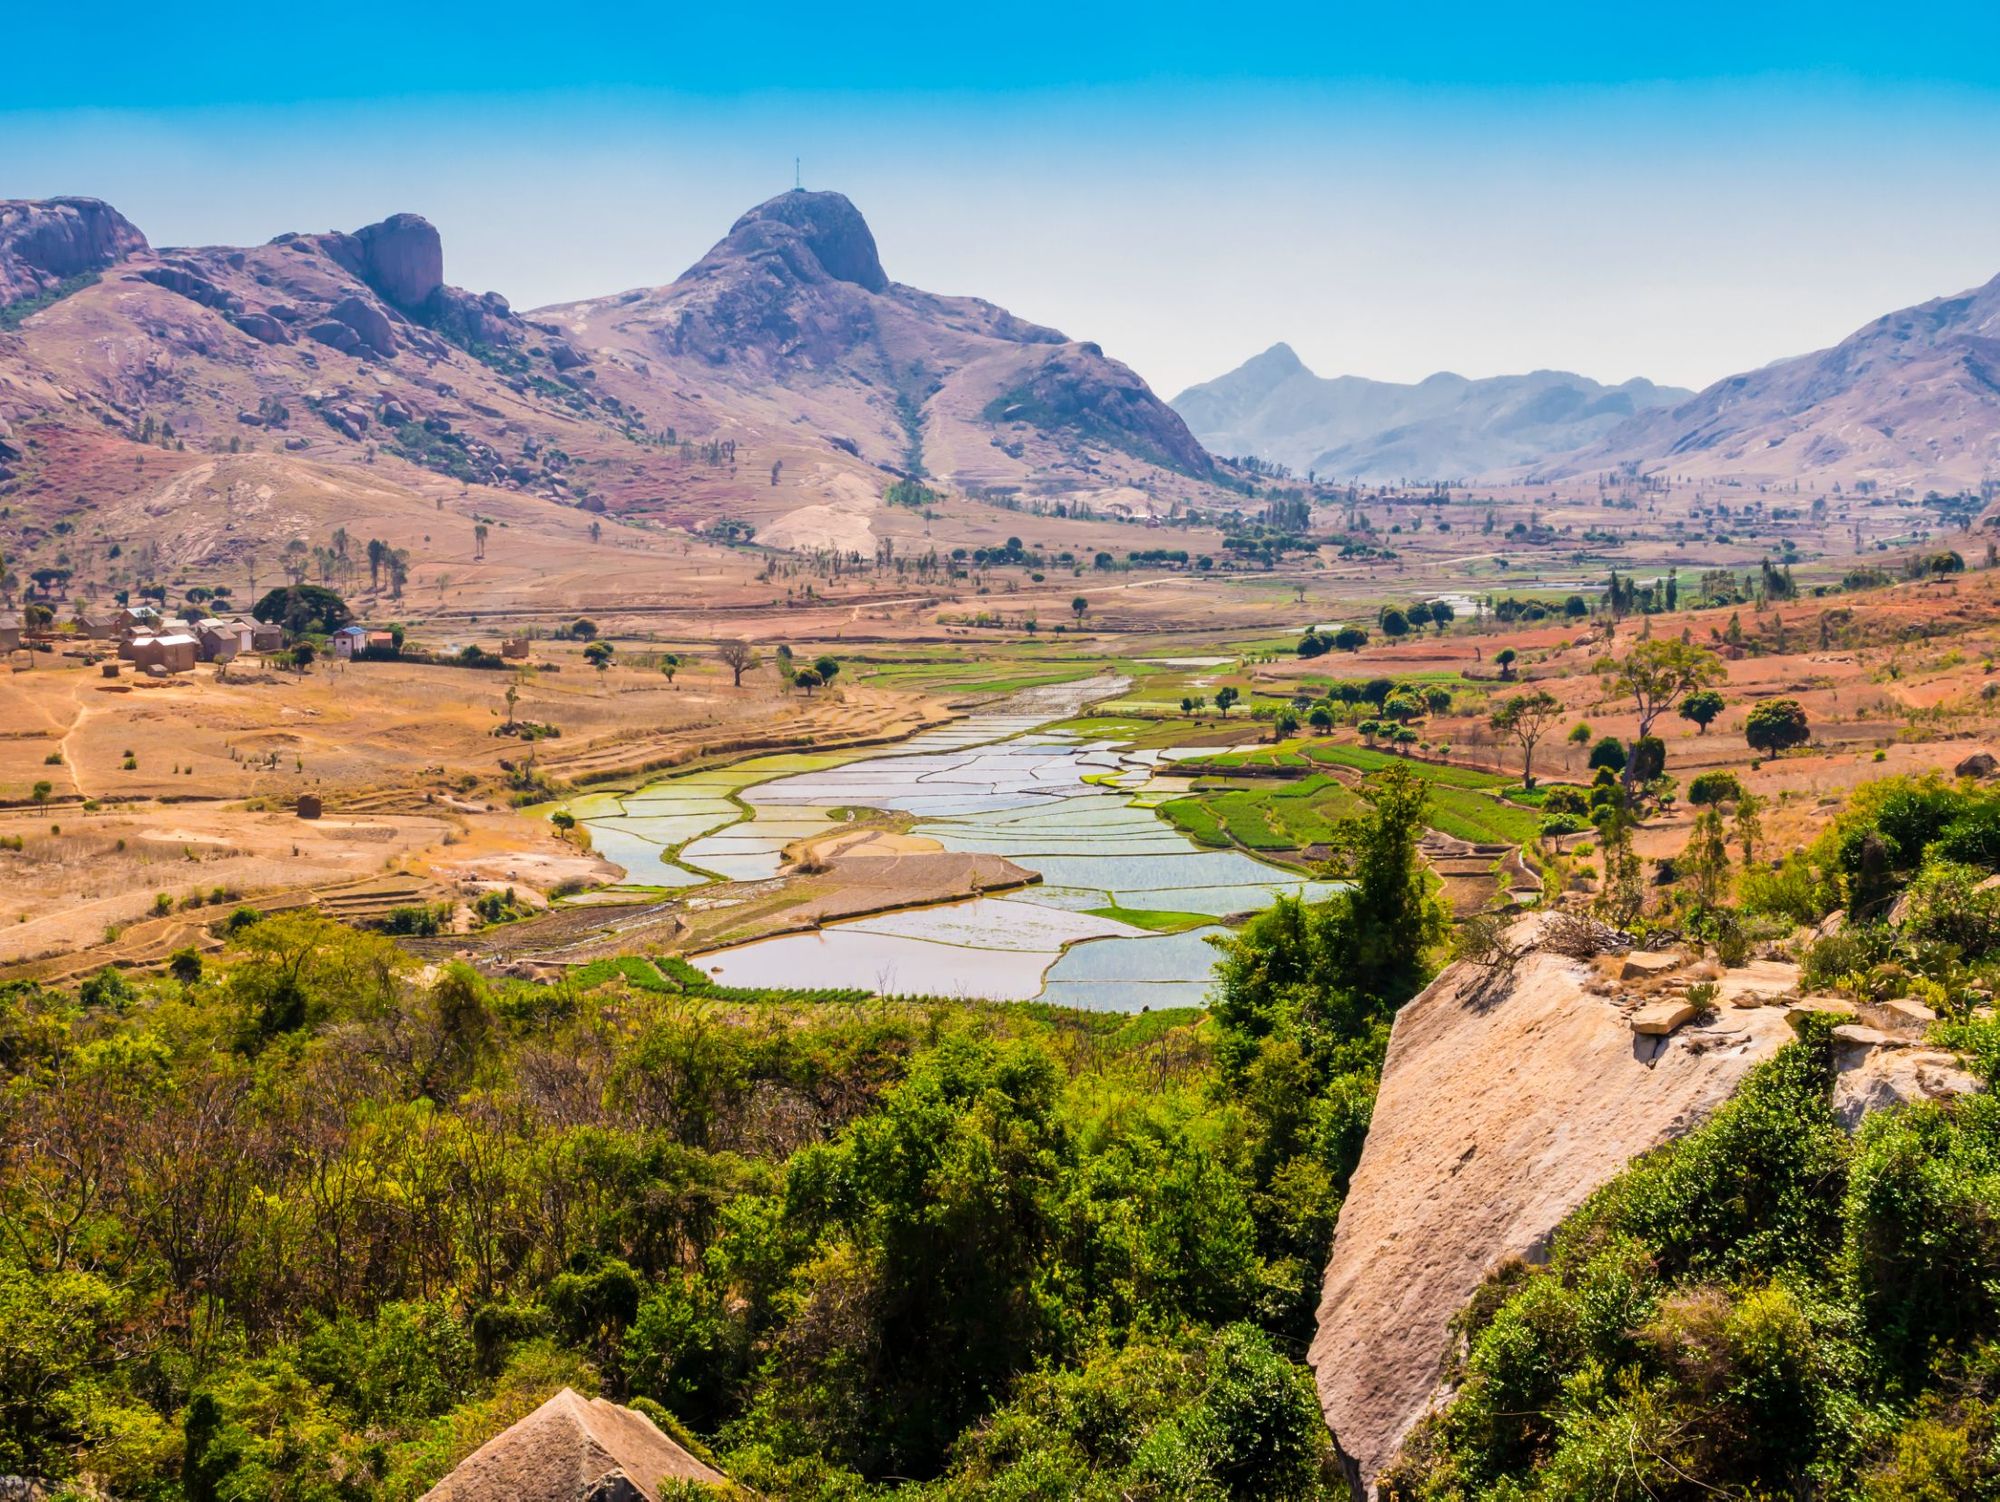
column 402, row 258
column 817, row 236
column 47, row 241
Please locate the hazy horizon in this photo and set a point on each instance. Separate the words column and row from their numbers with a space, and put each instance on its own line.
column 1486, row 198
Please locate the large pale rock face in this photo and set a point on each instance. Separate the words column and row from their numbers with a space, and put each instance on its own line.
column 1508, row 1098
column 1504, row 1104
column 46, row 241
column 402, row 258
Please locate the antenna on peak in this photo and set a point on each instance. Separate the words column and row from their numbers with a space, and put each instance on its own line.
column 798, row 179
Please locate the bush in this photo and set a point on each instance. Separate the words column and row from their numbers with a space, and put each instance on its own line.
column 1560, row 798
column 1715, row 787
column 1947, row 906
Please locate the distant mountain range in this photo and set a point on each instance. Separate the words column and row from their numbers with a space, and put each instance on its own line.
column 1443, row 428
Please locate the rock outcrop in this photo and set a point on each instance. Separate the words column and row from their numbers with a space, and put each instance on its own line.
column 1509, row 1095
column 573, row 1449
column 44, row 242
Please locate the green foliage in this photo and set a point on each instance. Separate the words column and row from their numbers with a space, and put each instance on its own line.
column 1776, row 725
column 303, row 609
column 16, row 313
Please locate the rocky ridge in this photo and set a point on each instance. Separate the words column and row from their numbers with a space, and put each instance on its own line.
column 46, row 242
column 1911, row 398
column 1549, row 1075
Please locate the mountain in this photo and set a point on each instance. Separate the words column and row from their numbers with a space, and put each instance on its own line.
column 1444, row 427
column 1913, row 398
column 781, row 383
column 792, row 313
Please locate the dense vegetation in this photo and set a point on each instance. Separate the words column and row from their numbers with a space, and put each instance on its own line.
column 311, row 1224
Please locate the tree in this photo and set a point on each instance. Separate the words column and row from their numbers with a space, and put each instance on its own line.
column 302, row 609
column 1707, row 857
column 1525, row 719
column 670, row 665
column 1776, row 725
column 1078, row 606
column 1714, row 787
column 1655, row 674
column 1394, row 623
column 739, row 657
column 827, row 669
column 583, row 628
column 1608, row 752
column 598, row 654
column 1321, row 719
column 303, row 654
column 1506, row 657
column 1749, row 828
column 1442, row 614
column 1350, row 638
column 42, row 791
column 808, row 679
column 1224, row 698
column 479, row 539
column 564, row 822
column 1701, row 707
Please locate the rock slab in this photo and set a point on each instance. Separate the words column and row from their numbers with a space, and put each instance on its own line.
column 1505, row 1102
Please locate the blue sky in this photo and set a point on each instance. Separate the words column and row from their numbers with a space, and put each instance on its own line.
column 1393, row 190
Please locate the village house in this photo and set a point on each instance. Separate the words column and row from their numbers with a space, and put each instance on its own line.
column 219, row 641
column 10, row 632
column 359, row 641
column 174, row 653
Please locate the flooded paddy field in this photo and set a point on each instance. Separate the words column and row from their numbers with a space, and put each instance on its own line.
column 1076, row 812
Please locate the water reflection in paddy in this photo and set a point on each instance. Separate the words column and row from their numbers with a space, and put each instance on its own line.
column 1040, row 800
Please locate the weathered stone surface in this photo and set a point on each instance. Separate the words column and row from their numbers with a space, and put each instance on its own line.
column 189, row 283
column 370, row 324
column 1873, row 1078
column 49, row 240
column 263, row 328
column 402, row 258
column 339, row 335
column 1659, row 1018
column 1759, row 983
column 1979, row 764
column 1503, row 1105
column 1858, row 1035
column 1644, row 964
column 1837, row 1007
column 1913, row 1013
column 573, row 1449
